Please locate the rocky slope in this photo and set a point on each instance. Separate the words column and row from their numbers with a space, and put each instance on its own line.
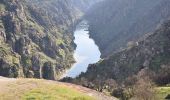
column 36, row 37
column 113, row 23
column 149, row 57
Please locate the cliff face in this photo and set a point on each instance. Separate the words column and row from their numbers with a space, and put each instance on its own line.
column 113, row 23
column 150, row 54
column 36, row 37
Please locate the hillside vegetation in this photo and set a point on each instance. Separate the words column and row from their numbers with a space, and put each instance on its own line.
column 114, row 23
column 36, row 37
column 33, row 38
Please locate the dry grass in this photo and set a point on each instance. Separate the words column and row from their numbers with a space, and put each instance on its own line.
column 162, row 92
column 32, row 89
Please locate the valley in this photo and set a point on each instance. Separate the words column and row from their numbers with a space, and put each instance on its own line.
column 84, row 49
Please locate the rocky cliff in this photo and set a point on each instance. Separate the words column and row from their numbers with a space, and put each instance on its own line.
column 36, row 37
column 113, row 23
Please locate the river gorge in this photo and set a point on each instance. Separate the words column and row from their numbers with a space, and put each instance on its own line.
column 87, row 52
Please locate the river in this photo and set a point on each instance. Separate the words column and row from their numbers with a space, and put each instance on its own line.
column 87, row 52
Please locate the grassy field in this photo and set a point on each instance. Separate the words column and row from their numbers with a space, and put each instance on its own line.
column 55, row 93
column 162, row 92
column 40, row 90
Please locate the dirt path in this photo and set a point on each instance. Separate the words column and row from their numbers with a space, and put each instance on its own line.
column 14, row 87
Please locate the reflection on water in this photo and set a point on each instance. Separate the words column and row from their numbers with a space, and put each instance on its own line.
column 87, row 52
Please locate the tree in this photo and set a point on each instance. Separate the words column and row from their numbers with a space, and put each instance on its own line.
column 143, row 89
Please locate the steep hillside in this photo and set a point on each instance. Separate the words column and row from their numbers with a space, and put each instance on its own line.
column 113, row 23
column 149, row 57
column 85, row 5
column 36, row 37
column 34, row 89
